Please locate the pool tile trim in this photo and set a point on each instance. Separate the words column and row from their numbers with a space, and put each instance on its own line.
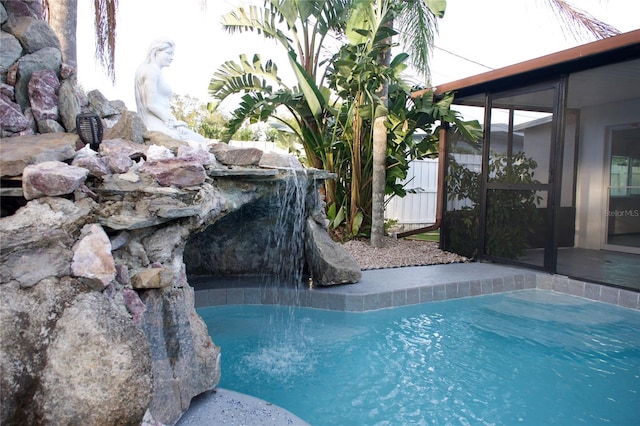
column 418, row 285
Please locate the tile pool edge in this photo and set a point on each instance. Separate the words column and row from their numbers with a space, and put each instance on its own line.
column 410, row 286
column 592, row 291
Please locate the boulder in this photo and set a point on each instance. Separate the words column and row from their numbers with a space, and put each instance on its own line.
column 128, row 126
column 100, row 104
column 234, row 156
column 68, row 104
column 177, row 171
column 88, row 159
column 288, row 161
column 7, row 90
column 185, row 361
column 49, row 125
column 122, row 147
column 161, row 139
column 92, row 261
column 152, row 278
column 37, row 241
column 197, row 154
column 48, row 58
column 43, row 94
column 10, row 51
column 16, row 153
column 32, row 9
column 51, row 178
column 54, row 374
column 118, row 162
column 102, row 375
column 134, row 305
column 34, row 34
column 328, row 262
column 12, row 120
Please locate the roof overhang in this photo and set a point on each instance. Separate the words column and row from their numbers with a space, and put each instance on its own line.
column 611, row 50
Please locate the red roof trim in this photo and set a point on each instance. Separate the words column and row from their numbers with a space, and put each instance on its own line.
column 565, row 57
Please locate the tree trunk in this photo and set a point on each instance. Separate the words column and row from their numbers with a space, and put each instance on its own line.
column 379, row 173
column 378, row 182
column 63, row 18
column 356, row 167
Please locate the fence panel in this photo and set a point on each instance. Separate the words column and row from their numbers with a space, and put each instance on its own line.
column 419, row 206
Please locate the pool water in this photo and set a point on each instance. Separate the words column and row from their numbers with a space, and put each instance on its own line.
column 529, row 357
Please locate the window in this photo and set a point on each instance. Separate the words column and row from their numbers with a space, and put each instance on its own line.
column 625, row 176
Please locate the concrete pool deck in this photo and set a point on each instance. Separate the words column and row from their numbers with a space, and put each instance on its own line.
column 387, row 288
column 225, row 407
column 378, row 289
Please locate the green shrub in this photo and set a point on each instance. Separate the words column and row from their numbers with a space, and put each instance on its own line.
column 511, row 215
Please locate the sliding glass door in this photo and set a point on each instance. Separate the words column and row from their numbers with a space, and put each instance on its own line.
column 622, row 218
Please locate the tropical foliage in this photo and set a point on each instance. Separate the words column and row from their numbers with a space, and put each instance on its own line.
column 206, row 120
column 334, row 102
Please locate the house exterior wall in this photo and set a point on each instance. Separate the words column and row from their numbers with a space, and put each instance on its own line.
column 591, row 192
column 537, row 146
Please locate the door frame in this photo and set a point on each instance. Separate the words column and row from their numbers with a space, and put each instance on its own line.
column 606, row 185
column 553, row 186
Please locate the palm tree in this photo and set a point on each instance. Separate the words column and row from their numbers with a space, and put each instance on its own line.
column 62, row 19
column 416, row 21
column 334, row 120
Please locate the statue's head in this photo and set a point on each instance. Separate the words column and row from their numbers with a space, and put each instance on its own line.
column 160, row 45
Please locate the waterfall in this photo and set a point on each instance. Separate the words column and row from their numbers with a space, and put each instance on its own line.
column 262, row 243
column 285, row 240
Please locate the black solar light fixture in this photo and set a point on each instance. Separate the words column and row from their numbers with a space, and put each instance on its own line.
column 89, row 129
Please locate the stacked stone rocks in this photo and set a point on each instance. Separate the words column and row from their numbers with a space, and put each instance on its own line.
column 84, row 341
column 38, row 91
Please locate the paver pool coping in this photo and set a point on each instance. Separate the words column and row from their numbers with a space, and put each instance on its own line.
column 391, row 287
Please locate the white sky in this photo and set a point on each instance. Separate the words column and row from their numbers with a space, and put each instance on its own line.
column 495, row 33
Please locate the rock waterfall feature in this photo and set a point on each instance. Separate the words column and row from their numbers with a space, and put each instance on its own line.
column 97, row 318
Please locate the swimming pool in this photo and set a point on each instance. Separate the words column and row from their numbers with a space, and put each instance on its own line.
column 527, row 357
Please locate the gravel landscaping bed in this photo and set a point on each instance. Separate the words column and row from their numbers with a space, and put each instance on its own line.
column 399, row 252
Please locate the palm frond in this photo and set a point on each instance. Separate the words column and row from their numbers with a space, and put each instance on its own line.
column 262, row 21
column 105, row 25
column 256, row 107
column 417, row 26
column 577, row 22
column 245, row 76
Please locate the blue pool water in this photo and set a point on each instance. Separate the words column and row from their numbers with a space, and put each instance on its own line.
column 530, row 357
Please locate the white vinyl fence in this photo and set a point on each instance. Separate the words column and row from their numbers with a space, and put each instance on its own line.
column 418, row 208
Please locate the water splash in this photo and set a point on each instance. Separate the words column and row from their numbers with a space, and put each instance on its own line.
column 281, row 361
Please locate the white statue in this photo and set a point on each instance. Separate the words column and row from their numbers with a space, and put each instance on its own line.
column 153, row 94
